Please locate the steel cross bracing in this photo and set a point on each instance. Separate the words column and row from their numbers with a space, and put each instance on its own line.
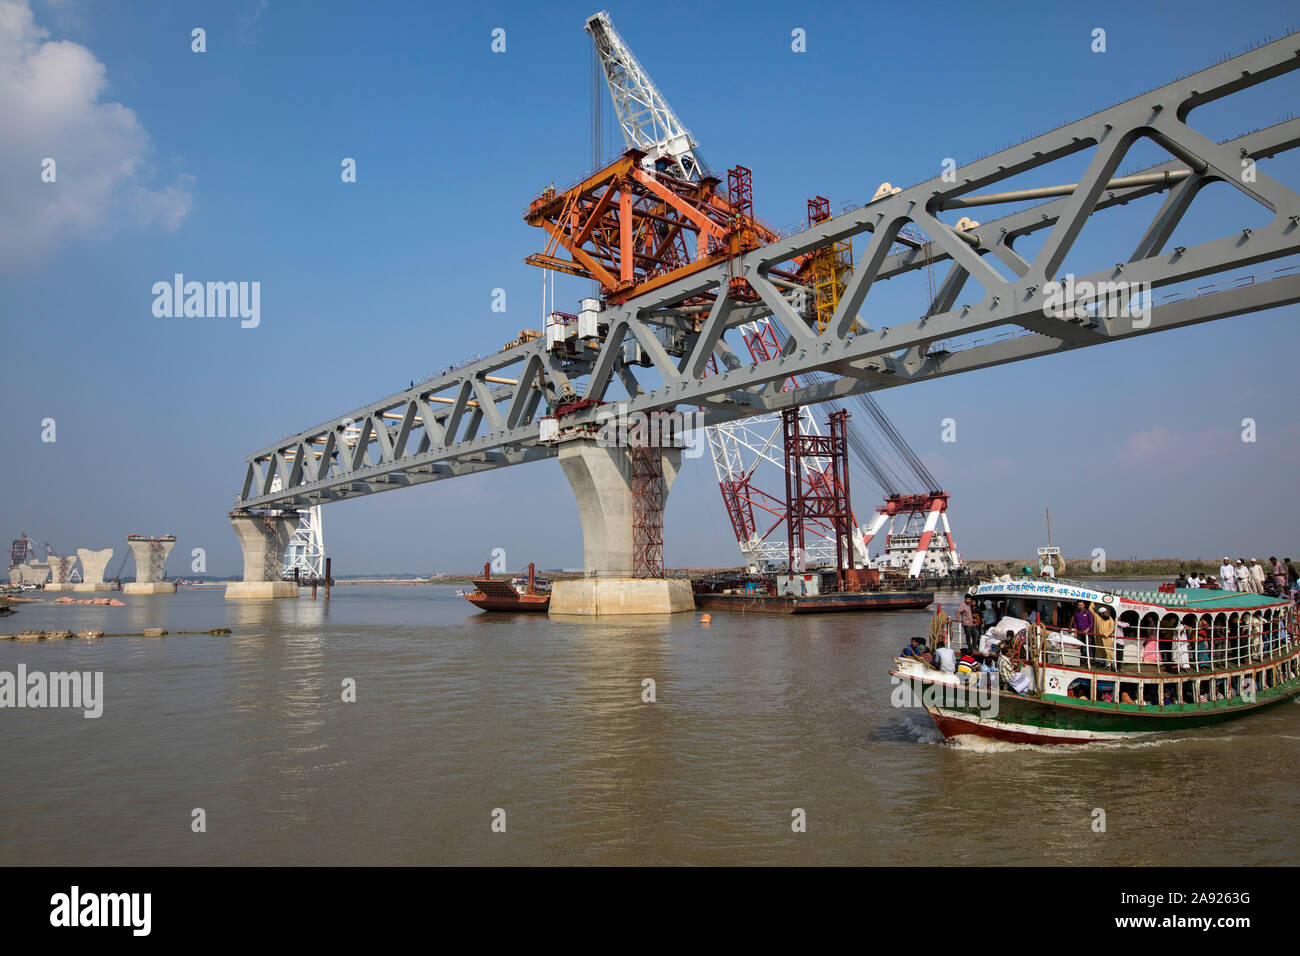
column 485, row 415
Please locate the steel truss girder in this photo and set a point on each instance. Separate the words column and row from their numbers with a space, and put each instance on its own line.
column 489, row 425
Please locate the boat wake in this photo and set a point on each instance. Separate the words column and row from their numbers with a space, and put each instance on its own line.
column 985, row 745
column 913, row 728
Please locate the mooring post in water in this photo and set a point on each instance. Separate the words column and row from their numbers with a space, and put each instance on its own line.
column 329, row 577
column 313, row 589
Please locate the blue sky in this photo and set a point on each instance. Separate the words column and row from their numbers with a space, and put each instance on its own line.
column 225, row 166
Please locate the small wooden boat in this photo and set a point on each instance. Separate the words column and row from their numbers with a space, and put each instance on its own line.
column 498, row 594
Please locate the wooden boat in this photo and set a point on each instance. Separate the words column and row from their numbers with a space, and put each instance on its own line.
column 1180, row 659
column 498, row 594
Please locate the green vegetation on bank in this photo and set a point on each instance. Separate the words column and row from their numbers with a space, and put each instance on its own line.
column 1114, row 568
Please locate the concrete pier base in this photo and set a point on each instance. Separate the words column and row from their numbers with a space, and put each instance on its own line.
column 260, row 590
column 600, row 475
column 263, row 539
column 88, row 587
column 590, row 596
column 63, row 586
column 149, row 587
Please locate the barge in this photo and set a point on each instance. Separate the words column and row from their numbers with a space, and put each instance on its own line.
column 811, row 593
column 497, row 594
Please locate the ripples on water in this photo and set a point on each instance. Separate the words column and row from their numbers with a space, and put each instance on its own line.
column 459, row 713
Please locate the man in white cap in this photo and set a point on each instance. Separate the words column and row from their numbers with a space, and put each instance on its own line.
column 1227, row 579
column 1257, row 577
column 1243, row 576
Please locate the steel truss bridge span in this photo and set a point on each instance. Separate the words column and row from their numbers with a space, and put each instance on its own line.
column 675, row 345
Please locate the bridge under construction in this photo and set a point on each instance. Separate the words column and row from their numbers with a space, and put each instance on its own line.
column 687, row 273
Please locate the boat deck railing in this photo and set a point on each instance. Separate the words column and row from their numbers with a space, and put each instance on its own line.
column 1148, row 655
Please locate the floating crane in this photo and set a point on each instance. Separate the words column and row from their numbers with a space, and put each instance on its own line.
column 656, row 214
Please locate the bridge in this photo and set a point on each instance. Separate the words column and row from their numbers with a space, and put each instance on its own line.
column 670, row 344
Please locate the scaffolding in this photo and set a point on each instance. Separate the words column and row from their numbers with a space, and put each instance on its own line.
column 825, row 500
column 648, row 512
column 829, row 267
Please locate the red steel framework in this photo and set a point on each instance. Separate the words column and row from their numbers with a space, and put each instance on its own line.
column 633, row 229
column 741, row 496
column 20, row 551
column 648, row 512
column 822, row 501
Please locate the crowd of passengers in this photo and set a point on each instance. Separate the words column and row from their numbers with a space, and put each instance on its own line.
column 1173, row 648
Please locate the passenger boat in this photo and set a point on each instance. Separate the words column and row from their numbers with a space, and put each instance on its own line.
column 497, row 594
column 1179, row 659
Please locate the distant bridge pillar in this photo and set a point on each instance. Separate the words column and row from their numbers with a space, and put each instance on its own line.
column 263, row 538
column 606, row 488
column 150, row 559
column 35, row 572
column 93, row 564
column 60, row 572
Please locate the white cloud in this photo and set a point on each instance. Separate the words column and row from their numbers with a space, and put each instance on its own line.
column 50, row 94
column 250, row 22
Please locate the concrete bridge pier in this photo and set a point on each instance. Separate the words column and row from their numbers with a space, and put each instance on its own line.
column 150, row 559
column 93, row 564
column 35, row 572
column 600, row 475
column 60, row 572
column 263, row 538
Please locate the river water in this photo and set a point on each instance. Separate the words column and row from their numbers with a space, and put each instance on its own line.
column 459, row 714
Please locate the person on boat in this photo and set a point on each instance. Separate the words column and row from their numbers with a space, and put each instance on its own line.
column 1227, row 577
column 1292, row 575
column 989, row 614
column 967, row 664
column 939, row 627
column 946, row 658
column 1242, row 574
column 1181, row 580
column 1279, row 575
column 966, row 621
column 1182, row 660
column 988, row 669
column 1083, row 627
column 1104, row 625
column 1006, row 669
column 1151, row 648
column 1256, row 632
column 1257, row 576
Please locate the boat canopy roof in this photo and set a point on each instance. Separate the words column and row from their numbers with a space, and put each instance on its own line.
column 1180, row 599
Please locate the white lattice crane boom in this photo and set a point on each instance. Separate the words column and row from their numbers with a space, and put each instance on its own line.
column 647, row 121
